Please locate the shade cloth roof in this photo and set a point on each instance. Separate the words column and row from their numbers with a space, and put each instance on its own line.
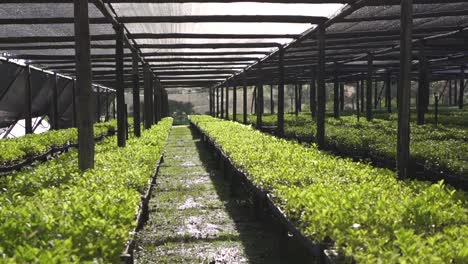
column 353, row 30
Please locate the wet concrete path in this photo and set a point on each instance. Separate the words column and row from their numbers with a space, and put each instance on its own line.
column 194, row 219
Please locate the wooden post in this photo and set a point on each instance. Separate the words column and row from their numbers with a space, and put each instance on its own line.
column 455, row 91
column 55, row 110
column 217, row 101
column 357, row 98
column 272, row 101
column 259, row 106
column 388, row 91
column 336, row 94
column 234, row 102
column 156, row 103
column 300, row 97
column 436, row 112
column 114, row 111
column 369, row 87
column 362, row 96
column 85, row 105
column 222, row 102
column 136, row 95
column 280, row 128
column 376, row 94
column 148, row 97
column 74, row 115
column 98, row 104
column 253, row 107
column 403, row 151
column 210, row 102
column 321, row 87
column 342, row 97
column 423, row 86
column 28, row 102
column 107, row 106
column 244, row 95
column 226, row 116
column 312, row 95
column 164, row 102
column 462, row 87
column 450, row 92
column 296, row 99
column 119, row 71
column 160, row 101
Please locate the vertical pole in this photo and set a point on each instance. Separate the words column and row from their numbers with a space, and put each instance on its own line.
column 358, row 96
column 126, row 123
column 147, row 97
column 119, row 71
column 341, row 96
column 210, row 101
column 280, row 129
column 98, row 104
column 455, row 91
column 234, row 102
column 74, row 116
column 136, row 95
column 436, row 112
column 376, row 94
column 423, row 86
column 151, row 99
column 55, row 109
column 296, row 99
column 321, row 86
column 462, row 87
column 222, row 102
column 300, row 97
column 160, row 100
column 107, row 105
column 226, row 116
column 259, row 106
column 217, row 101
column 272, row 101
column 362, row 96
column 254, row 101
column 312, row 95
column 83, row 84
column 403, row 150
column 388, row 91
column 336, row 95
column 450, row 92
column 156, row 103
column 114, row 111
column 28, row 97
column 164, row 102
column 369, row 87
column 244, row 97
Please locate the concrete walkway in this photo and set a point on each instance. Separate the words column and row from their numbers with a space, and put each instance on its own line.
column 193, row 218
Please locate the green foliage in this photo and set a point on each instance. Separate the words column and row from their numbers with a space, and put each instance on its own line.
column 366, row 211
column 16, row 149
column 53, row 213
column 441, row 149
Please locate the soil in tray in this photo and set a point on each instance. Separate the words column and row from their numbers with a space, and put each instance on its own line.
column 194, row 218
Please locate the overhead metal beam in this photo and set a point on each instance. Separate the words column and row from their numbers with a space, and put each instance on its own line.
column 171, row 19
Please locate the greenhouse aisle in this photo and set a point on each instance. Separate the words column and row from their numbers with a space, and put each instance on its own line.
column 194, row 219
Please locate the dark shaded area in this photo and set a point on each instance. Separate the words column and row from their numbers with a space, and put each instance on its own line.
column 179, row 111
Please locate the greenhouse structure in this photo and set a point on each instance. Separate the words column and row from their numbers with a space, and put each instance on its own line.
column 233, row 131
